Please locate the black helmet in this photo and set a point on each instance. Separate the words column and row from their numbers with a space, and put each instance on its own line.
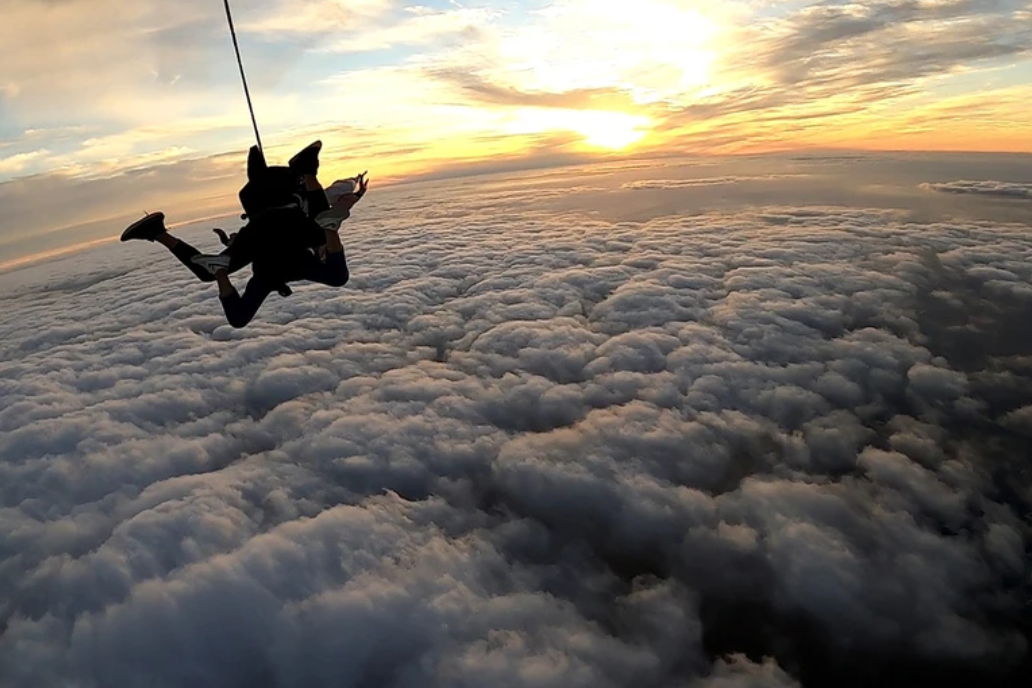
column 267, row 187
column 275, row 187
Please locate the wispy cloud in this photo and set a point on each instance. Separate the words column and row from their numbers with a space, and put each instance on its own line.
column 827, row 72
column 15, row 163
column 703, row 181
column 982, row 188
column 317, row 17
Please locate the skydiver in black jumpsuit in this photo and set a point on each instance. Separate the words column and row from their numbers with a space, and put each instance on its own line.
column 291, row 234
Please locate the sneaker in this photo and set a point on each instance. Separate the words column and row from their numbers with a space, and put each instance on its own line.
column 212, row 263
column 307, row 161
column 149, row 228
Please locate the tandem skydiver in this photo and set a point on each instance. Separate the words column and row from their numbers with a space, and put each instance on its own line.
column 291, row 234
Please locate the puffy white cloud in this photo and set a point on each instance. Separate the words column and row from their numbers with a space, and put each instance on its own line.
column 531, row 443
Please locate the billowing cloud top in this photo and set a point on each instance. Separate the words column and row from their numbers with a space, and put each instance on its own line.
column 545, row 437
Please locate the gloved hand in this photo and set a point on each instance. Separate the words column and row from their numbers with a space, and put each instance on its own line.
column 226, row 240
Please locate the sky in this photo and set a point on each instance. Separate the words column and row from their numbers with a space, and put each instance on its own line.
column 111, row 109
column 745, row 422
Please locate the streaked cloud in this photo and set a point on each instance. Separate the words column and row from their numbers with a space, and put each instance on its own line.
column 16, row 163
column 317, row 17
column 982, row 188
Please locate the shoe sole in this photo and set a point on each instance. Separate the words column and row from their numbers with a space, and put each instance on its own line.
column 317, row 146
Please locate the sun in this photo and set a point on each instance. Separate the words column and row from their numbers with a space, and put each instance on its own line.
column 611, row 130
column 606, row 129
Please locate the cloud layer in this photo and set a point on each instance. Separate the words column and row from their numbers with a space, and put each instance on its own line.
column 528, row 446
column 983, row 188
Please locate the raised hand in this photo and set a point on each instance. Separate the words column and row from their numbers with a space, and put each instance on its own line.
column 344, row 202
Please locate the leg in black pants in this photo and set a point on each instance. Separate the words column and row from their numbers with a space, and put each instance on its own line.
column 241, row 309
column 185, row 253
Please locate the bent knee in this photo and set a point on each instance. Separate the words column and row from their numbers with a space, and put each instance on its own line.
column 237, row 319
column 339, row 279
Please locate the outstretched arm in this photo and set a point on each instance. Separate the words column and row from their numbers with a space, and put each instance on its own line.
column 343, row 202
column 333, row 244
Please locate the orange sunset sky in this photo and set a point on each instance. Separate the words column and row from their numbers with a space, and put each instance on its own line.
column 109, row 108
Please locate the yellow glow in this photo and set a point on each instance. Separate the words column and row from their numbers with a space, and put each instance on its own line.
column 653, row 49
column 599, row 128
column 612, row 130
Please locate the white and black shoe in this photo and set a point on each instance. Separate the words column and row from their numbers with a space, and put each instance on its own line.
column 148, row 228
column 307, row 161
column 212, row 263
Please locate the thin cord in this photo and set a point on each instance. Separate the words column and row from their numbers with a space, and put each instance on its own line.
column 243, row 78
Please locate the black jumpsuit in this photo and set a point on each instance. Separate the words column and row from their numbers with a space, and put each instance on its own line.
column 282, row 246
